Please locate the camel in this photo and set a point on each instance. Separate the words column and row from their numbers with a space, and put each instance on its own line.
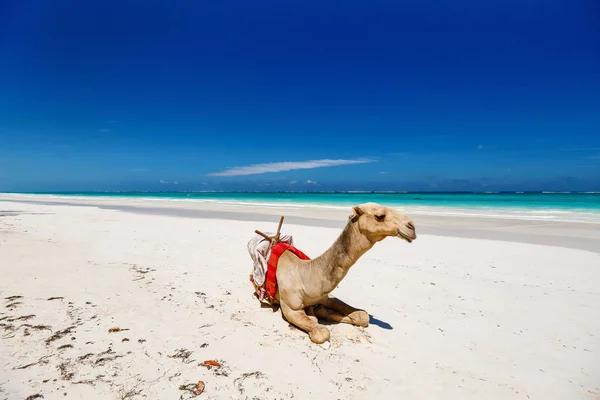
column 304, row 286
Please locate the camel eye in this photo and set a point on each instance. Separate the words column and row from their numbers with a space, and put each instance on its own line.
column 380, row 218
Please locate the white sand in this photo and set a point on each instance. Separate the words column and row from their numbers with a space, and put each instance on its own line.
column 454, row 318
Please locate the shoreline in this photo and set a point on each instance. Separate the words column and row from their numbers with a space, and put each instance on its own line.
column 534, row 213
column 576, row 235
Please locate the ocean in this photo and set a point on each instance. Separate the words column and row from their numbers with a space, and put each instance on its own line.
column 569, row 207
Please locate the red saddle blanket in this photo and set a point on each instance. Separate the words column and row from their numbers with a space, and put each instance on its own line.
column 276, row 252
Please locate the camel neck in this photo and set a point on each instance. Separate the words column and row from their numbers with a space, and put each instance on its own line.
column 336, row 261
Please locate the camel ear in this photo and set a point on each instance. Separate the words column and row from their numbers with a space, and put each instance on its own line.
column 357, row 212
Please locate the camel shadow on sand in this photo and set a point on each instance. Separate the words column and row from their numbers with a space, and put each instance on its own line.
column 379, row 323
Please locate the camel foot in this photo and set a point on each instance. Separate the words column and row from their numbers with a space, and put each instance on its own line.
column 360, row 318
column 319, row 334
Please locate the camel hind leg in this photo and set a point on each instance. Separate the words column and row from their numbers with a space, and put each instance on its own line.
column 327, row 314
column 317, row 333
column 349, row 314
column 310, row 312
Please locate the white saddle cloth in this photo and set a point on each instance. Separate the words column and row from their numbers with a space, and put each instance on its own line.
column 258, row 248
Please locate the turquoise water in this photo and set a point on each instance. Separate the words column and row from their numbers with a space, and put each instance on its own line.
column 560, row 201
column 564, row 206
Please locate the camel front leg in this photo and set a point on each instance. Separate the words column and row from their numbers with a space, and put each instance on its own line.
column 317, row 333
column 356, row 317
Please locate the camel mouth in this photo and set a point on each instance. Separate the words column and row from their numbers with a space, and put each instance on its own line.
column 404, row 236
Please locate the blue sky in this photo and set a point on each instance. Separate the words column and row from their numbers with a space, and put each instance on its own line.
column 270, row 95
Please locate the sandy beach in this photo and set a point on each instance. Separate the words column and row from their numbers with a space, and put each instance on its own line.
column 473, row 309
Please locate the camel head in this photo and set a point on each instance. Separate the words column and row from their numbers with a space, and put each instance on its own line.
column 377, row 222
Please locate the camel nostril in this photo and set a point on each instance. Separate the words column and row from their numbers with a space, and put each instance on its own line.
column 411, row 226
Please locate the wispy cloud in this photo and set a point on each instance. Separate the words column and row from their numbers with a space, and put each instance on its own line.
column 112, row 121
column 383, row 172
column 286, row 166
column 163, row 182
column 311, row 182
column 104, row 130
